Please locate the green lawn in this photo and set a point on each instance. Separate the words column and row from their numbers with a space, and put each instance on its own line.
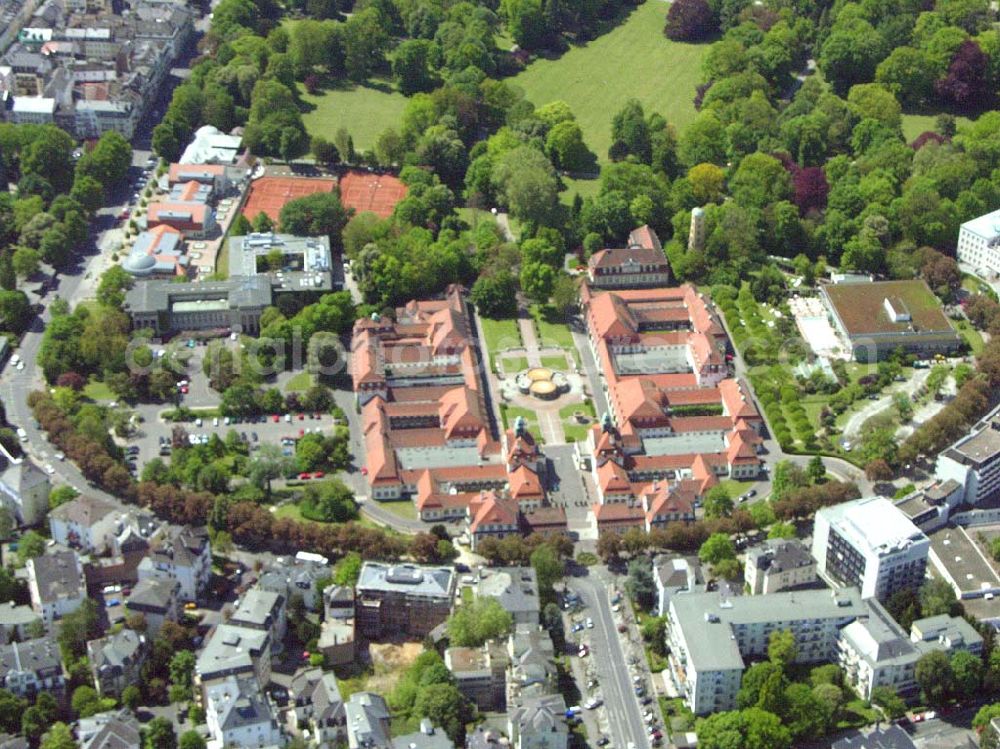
column 736, row 488
column 555, row 362
column 574, row 430
column 299, row 382
column 365, row 110
column 585, row 188
column 98, row 391
column 915, row 124
column 403, row 508
column 514, row 364
column 635, row 60
column 552, row 331
column 510, row 413
column 971, row 336
column 500, row 334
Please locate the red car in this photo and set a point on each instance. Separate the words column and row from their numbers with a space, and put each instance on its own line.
column 302, row 417
column 302, row 432
column 318, row 475
column 364, row 470
column 276, row 418
column 305, row 476
column 184, row 389
column 123, row 214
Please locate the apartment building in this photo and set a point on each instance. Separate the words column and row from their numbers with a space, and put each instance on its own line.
column 640, row 264
column 116, row 661
column 263, row 610
column 778, row 564
column 871, row 545
column 479, row 674
column 314, row 701
column 27, row 668
column 239, row 713
column 403, row 599
column 86, row 523
column 234, row 651
column 874, row 651
column 56, row 585
column 712, row 636
column 182, row 554
column 515, row 588
column 974, row 462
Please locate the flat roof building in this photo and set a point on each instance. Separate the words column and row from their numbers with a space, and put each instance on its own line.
column 869, row 544
column 403, row 598
column 979, row 244
column 974, row 462
column 880, row 317
column 711, row 636
column 210, row 146
column 233, row 305
column 300, row 263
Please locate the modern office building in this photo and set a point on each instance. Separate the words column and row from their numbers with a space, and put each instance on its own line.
column 403, row 599
column 291, row 263
column 871, row 545
column 165, row 307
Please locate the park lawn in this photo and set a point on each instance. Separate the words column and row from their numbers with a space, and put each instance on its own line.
column 555, row 362
column 585, row 188
column 474, row 216
column 813, row 405
column 500, row 334
column 978, row 286
column 299, row 383
column 291, row 511
column 98, row 391
column 365, row 110
column 856, row 713
column 510, row 413
column 971, row 336
column 633, row 61
column 552, row 331
column 915, row 124
column 514, row 364
column 574, row 430
column 735, row 489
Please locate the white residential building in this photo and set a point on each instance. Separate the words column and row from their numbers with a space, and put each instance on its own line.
column 874, row 651
column 56, row 585
column 238, row 713
column 974, row 462
column 184, row 555
column 869, row 544
column 86, row 523
column 778, row 564
column 263, row 610
column 711, row 636
column 979, row 244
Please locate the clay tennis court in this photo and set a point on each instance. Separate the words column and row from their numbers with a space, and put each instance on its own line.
column 377, row 193
column 269, row 194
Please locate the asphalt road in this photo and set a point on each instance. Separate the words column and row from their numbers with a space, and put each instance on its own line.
column 624, row 713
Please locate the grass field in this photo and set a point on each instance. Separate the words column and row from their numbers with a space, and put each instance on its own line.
column 510, row 413
column 634, row 60
column 365, row 110
column 500, row 334
column 914, row 124
column 514, row 364
column 222, row 259
column 971, row 336
column 98, row 391
column 554, row 362
column 299, row 382
column 574, row 430
column 552, row 331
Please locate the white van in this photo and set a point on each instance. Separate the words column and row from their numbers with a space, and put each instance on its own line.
column 22, row 435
